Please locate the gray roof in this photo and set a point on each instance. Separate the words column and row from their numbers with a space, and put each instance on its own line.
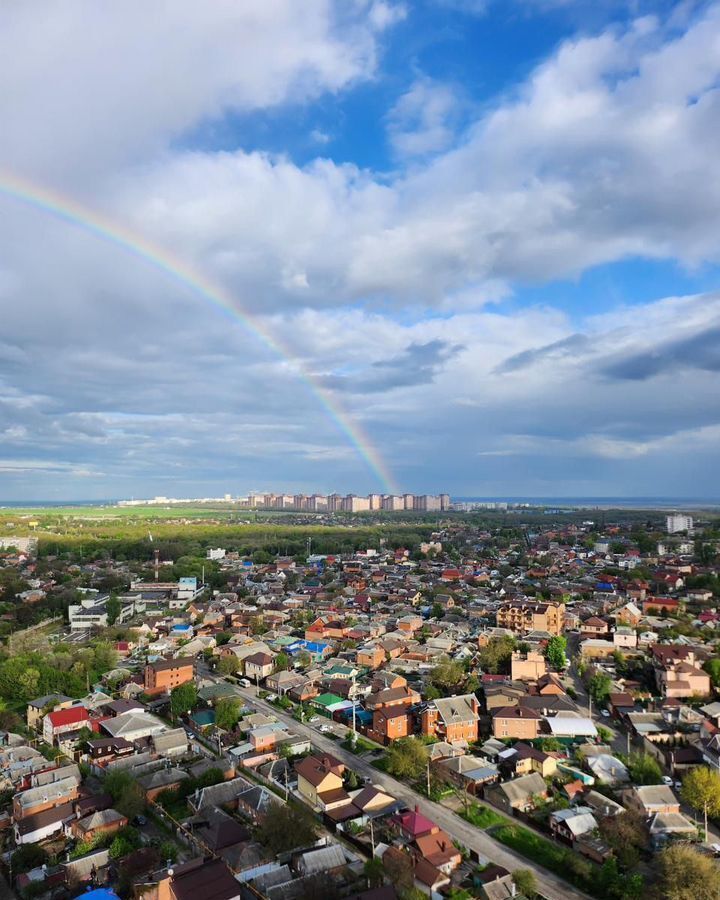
column 322, row 860
column 656, row 795
column 663, row 823
column 456, row 709
column 523, row 787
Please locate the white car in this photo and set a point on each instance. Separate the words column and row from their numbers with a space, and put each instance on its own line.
column 667, row 780
column 604, row 713
column 324, row 729
column 314, row 720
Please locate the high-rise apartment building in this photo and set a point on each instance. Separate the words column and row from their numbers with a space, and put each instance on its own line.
column 678, row 523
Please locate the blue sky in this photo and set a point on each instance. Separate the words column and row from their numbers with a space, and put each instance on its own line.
column 485, row 233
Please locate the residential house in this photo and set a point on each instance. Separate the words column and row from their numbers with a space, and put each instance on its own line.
column 161, row 677
column 36, row 709
column 651, row 799
column 522, row 617
column 38, row 827
column 520, row 793
column 527, row 666
column 516, row 722
column 319, row 778
column 258, row 666
column 570, row 825
column 452, row 719
column 62, row 723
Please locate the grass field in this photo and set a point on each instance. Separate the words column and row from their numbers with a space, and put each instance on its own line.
column 482, row 816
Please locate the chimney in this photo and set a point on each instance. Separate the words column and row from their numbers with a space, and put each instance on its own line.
column 417, row 808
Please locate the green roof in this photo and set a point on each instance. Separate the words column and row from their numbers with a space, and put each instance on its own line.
column 327, row 699
column 283, row 640
column 340, row 670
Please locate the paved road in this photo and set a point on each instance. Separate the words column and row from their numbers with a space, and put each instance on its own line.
column 550, row 885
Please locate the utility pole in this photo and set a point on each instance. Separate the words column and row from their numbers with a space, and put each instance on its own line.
column 352, row 697
column 428, row 777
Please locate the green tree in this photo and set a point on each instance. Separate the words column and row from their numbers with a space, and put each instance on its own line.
column 701, row 790
column 228, row 665
column 183, row 698
column 124, row 842
column 644, row 769
column 599, row 687
column 126, row 793
column 284, row 828
column 26, row 857
column 374, row 872
column 227, row 713
column 113, row 608
column 495, row 657
column 448, row 674
column 712, row 667
column 407, row 758
column 627, row 834
column 526, row 882
column 282, row 662
column 555, row 652
column 685, row 873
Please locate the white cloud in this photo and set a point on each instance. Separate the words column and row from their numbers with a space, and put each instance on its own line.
column 98, row 86
column 609, row 149
column 423, row 119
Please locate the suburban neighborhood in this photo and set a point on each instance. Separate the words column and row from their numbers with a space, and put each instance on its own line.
column 527, row 709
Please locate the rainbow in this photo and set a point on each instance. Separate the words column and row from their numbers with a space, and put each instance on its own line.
column 93, row 223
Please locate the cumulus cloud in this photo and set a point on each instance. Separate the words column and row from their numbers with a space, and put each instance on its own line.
column 112, row 367
column 423, row 119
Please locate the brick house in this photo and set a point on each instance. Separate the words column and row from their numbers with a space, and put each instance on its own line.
column 516, row 722
column 452, row 719
column 527, row 666
column 391, row 724
column 161, row 677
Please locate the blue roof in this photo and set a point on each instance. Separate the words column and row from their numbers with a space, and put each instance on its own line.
column 314, row 646
column 188, row 582
column 100, row 894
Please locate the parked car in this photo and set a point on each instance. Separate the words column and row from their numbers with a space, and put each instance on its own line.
column 604, row 713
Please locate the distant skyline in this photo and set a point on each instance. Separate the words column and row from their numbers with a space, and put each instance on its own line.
column 370, row 243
